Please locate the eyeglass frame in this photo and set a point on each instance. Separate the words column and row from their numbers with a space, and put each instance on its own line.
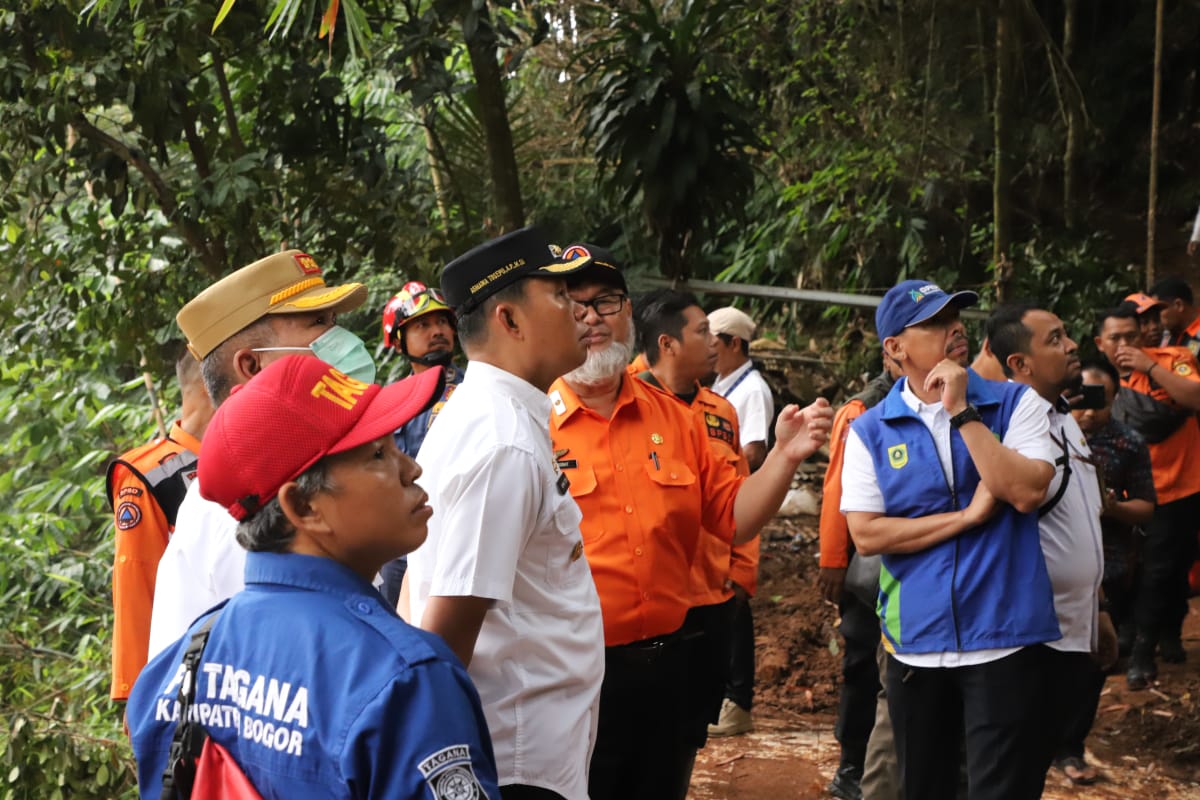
column 621, row 300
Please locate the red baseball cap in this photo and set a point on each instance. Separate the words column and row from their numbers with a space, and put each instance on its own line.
column 1144, row 302
column 293, row 413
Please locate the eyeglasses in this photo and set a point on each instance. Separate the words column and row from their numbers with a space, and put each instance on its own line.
column 606, row 304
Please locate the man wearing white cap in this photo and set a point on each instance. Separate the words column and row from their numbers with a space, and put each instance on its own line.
column 742, row 385
column 235, row 328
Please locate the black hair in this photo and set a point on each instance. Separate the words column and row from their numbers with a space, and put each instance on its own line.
column 728, row 338
column 1171, row 288
column 1125, row 310
column 1103, row 365
column 659, row 312
column 472, row 325
column 217, row 367
column 1007, row 334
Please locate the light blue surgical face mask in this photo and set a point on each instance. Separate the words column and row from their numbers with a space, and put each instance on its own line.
column 342, row 350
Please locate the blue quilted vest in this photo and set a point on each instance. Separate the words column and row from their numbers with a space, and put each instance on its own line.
column 985, row 588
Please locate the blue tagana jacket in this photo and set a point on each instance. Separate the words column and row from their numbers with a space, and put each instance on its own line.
column 318, row 690
column 985, row 588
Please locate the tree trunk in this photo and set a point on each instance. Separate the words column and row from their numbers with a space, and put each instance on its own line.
column 1002, row 158
column 1071, row 153
column 1151, row 214
column 493, row 114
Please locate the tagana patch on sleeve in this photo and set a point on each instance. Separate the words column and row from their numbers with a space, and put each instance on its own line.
column 450, row 775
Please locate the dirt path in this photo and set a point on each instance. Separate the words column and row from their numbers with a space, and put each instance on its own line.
column 1146, row 744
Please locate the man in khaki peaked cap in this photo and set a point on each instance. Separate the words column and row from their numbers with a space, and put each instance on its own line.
column 277, row 306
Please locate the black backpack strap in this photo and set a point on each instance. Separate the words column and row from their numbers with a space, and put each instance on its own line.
column 1065, row 461
column 189, row 736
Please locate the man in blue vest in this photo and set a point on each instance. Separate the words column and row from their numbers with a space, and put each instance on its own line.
column 944, row 478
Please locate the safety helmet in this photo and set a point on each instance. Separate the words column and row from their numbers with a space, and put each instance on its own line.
column 414, row 300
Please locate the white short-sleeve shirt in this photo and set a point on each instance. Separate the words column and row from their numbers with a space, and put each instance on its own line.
column 1028, row 434
column 506, row 528
column 202, row 565
column 1070, row 537
column 751, row 398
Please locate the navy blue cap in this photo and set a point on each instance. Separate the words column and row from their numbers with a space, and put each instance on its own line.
column 601, row 267
column 484, row 270
column 911, row 302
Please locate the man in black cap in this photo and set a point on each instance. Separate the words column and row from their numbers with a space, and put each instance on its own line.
column 502, row 577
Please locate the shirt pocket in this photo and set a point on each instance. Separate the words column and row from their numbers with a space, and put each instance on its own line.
column 565, row 564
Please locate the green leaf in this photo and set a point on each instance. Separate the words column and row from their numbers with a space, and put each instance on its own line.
column 222, row 12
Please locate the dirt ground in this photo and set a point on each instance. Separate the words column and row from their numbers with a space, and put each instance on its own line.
column 1146, row 744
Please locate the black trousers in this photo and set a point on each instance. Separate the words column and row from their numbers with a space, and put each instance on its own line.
column 518, row 791
column 708, row 636
column 1167, row 556
column 740, row 687
column 996, row 709
column 859, row 627
column 645, row 743
column 1075, row 682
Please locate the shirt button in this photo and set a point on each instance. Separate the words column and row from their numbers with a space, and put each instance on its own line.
column 364, row 606
column 123, row 559
column 673, row 476
column 637, row 551
column 620, row 467
column 645, row 595
column 628, row 509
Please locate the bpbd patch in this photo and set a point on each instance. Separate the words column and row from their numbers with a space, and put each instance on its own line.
column 128, row 516
column 719, row 428
column 898, row 456
column 449, row 774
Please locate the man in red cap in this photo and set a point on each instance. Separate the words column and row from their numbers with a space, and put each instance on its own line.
column 308, row 680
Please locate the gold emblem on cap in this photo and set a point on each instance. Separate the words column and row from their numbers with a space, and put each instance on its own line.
column 656, row 438
column 577, row 551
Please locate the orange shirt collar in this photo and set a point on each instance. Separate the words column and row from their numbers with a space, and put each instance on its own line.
column 180, row 436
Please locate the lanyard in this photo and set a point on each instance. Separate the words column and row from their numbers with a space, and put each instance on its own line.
column 738, row 382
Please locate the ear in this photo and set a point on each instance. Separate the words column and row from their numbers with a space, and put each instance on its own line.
column 303, row 514
column 894, row 349
column 664, row 344
column 508, row 316
column 246, row 364
column 1096, row 341
column 1016, row 363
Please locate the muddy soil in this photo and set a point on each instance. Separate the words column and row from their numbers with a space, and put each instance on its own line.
column 1146, row 744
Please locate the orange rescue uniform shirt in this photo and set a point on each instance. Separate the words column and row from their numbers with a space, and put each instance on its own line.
column 1171, row 460
column 646, row 481
column 142, row 533
column 716, row 562
column 834, row 533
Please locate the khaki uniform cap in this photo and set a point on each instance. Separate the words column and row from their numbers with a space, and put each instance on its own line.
column 285, row 283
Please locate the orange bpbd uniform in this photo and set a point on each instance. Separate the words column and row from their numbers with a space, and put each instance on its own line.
column 717, row 562
column 145, row 487
column 835, row 534
column 1171, row 460
column 646, row 481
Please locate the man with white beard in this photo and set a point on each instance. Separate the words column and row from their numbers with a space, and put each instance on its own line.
column 647, row 483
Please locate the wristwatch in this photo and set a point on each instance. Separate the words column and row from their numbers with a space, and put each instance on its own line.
column 968, row 414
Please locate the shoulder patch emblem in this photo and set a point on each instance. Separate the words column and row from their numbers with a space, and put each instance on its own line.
column 898, row 456
column 449, row 774
column 1182, row 368
column 719, row 428
column 556, row 401
column 128, row 516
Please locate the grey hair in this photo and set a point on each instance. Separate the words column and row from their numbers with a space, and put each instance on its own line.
column 268, row 529
column 217, row 367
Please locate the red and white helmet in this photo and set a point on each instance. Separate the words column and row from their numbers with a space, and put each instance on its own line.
column 414, row 300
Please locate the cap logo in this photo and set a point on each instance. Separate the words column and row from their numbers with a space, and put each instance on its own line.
column 507, row 268
column 575, row 251
column 307, row 264
column 918, row 295
column 339, row 388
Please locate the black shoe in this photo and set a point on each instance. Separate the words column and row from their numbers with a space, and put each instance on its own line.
column 846, row 783
column 1142, row 669
column 1171, row 651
